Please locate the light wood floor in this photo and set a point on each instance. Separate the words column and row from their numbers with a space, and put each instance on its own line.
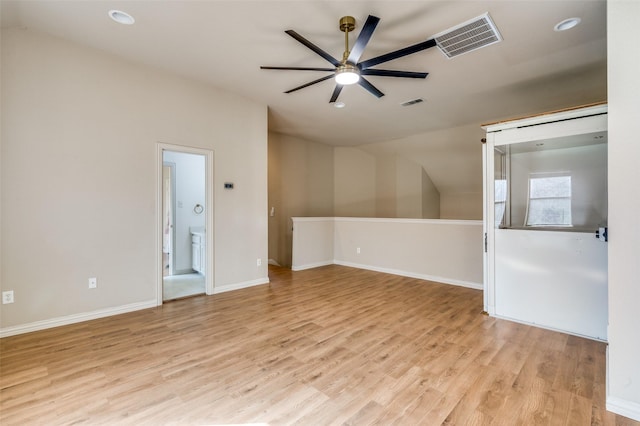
column 333, row 345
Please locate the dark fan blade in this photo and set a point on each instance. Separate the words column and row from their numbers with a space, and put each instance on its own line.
column 298, row 68
column 392, row 73
column 336, row 93
column 363, row 39
column 370, row 87
column 313, row 47
column 311, row 83
column 397, row 54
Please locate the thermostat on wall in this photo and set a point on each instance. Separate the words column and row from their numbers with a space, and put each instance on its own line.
column 228, row 185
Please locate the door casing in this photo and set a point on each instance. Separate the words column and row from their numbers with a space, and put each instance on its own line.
column 209, row 213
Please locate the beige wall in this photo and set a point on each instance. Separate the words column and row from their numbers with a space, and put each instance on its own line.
column 408, row 189
column 308, row 179
column 354, row 183
column 452, row 157
column 461, row 205
column 382, row 185
column 430, row 198
column 386, row 171
column 300, row 184
column 70, row 117
column 445, row 251
column 624, row 205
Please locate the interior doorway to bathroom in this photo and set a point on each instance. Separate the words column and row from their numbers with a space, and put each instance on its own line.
column 184, row 218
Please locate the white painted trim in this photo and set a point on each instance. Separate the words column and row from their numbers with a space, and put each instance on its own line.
column 485, row 254
column 209, row 219
column 623, row 407
column 489, row 226
column 158, row 228
column 557, row 129
column 240, row 285
column 546, row 118
column 424, row 221
column 387, row 220
column 312, row 265
column 546, row 327
column 75, row 318
column 460, row 283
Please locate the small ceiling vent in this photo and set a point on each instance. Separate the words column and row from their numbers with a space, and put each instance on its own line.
column 469, row 36
column 412, row 102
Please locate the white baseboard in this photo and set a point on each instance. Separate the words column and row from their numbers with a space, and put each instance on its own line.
column 546, row 327
column 452, row 281
column 75, row 318
column 101, row 313
column 623, row 407
column 238, row 286
column 312, row 265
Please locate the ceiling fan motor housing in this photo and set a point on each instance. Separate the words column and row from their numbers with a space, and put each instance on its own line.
column 347, row 24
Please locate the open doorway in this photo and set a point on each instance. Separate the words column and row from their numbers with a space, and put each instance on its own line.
column 185, row 243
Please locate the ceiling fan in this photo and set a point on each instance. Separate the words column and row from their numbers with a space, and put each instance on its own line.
column 349, row 70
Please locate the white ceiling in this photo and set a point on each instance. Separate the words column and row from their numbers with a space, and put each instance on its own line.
column 534, row 69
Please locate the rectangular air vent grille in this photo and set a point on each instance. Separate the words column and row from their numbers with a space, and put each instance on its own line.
column 468, row 36
column 412, row 102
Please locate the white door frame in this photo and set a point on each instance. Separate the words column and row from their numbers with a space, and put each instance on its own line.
column 591, row 119
column 208, row 210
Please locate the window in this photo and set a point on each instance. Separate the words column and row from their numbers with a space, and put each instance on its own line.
column 500, row 197
column 549, row 201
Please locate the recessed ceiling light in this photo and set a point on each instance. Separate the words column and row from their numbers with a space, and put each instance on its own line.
column 339, row 105
column 567, row 24
column 121, row 17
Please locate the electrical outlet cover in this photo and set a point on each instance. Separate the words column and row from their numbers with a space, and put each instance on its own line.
column 7, row 297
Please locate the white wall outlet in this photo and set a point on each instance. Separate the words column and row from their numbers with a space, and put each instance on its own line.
column 93, row 282
column 7, row 297
column 358, row 250
column 259, row 262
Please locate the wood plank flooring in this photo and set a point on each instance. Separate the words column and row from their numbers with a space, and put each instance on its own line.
column 332, row 345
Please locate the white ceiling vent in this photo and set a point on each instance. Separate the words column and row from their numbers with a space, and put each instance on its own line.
column 412, row 102
column 471, row 35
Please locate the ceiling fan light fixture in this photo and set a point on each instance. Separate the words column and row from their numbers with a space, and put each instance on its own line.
column 347, row 74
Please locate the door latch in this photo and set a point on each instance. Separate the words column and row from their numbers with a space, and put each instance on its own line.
column 601, row 234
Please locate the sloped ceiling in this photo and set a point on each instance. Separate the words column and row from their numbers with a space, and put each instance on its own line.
column 534, row 69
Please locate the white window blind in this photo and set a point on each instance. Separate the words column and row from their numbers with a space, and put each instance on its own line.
column 549, row 201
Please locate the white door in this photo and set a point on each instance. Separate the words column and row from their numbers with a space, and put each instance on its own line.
column 545, row 198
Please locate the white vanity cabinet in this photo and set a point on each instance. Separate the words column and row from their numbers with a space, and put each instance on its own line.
column 545, row 221
column 198, row 252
